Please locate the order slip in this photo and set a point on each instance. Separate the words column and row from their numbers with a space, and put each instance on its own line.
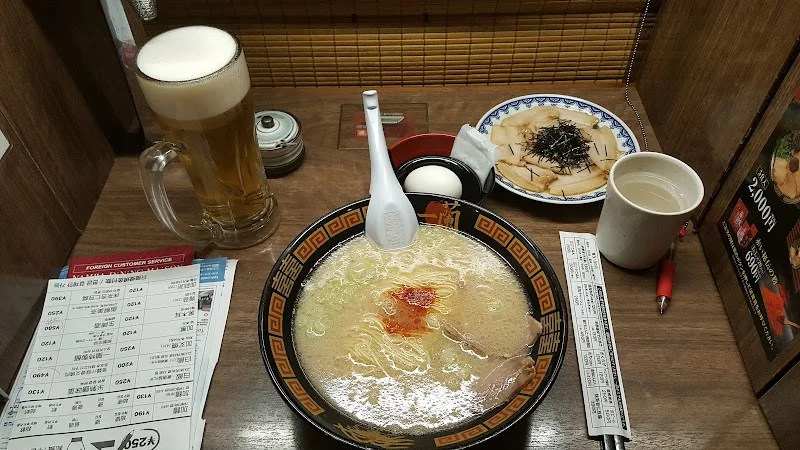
column 603, row 394
column 112, row 364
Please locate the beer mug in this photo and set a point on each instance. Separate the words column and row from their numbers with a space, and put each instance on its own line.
column 196, row 82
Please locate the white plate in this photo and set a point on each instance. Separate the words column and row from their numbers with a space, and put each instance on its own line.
column 625, row 138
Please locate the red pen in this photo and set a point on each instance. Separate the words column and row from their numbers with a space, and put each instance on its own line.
column 666, row 274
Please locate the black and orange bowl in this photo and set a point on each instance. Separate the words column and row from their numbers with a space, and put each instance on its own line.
column 303, row 253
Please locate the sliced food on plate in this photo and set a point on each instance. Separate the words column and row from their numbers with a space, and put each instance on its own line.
column 555, row 150
column 527, row 176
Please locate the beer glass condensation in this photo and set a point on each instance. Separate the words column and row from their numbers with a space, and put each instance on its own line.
column 196, row 82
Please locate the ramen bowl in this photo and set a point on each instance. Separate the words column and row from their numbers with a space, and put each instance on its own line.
column 282, row 289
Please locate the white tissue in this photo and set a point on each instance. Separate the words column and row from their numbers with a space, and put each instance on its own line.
column 475, row 150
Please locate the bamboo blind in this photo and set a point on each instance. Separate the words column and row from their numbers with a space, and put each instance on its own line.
column 419, row 42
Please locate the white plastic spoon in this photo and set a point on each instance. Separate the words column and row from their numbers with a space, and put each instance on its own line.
column 391, row 220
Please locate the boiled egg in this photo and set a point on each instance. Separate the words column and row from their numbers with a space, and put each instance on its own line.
column 432, row 179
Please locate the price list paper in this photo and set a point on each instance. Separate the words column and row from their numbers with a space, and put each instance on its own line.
column 601, row 380
column 112, row 363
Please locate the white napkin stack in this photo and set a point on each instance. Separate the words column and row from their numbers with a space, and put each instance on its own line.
column 476, row 150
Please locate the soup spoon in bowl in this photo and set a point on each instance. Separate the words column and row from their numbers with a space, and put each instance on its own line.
column 391, row 221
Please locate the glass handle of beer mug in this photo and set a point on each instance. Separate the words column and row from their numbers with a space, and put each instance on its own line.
column 152, row 163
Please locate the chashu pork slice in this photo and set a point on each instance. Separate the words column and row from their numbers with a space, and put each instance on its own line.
column 531, row 158
column 528, row 177
column 511, row 154
column 577, row 117
column 603, row 149
column 579, row 181
column 505, row 135
column 533, row 328
column 579, row 187
column 505, row 380
column 530, row 116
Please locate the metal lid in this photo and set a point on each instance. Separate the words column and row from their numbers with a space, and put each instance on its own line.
column 274, row 129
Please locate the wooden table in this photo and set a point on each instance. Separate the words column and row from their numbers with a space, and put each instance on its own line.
column 684, row 378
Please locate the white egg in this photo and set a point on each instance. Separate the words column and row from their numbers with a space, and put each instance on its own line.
column 433, row 180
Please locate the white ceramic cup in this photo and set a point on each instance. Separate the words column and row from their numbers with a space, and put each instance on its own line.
column 632, row 233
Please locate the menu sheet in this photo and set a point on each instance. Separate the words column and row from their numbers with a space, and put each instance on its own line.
column 601, row 380
column 216, row 286
column 112, row 363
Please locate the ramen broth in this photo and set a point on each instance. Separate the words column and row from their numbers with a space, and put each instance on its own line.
column 418, row 339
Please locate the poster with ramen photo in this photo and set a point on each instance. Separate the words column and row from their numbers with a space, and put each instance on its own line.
column 761, row 233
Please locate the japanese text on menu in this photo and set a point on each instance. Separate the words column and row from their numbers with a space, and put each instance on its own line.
column 113, row 359
column 603, row 394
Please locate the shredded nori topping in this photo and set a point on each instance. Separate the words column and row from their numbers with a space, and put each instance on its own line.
column 562, row 145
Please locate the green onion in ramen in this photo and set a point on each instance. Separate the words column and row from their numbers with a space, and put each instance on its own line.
column 415, row 340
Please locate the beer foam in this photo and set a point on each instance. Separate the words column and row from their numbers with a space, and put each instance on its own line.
column 177, row 62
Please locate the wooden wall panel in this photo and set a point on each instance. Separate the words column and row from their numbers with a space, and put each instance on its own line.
column 60, row 157
column 707, row 73
column 79, row 34
column 780, row 408
column 760, row 369
column 36, row 239
column 49, row 113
